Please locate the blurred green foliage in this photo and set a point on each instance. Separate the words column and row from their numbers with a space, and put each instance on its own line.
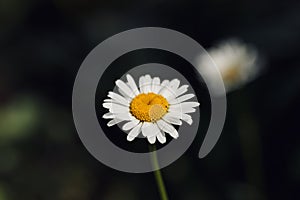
column 18, row 120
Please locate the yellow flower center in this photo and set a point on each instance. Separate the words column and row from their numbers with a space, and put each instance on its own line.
column 231, row 74
column 149, row 107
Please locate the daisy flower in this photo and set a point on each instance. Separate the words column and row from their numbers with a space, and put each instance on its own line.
column 151, row 109
column 236, row 61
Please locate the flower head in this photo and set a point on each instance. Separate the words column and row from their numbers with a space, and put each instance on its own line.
column 152, row 109
column 236, row 61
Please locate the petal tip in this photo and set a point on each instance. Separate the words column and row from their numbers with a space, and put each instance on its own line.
column 130, row 138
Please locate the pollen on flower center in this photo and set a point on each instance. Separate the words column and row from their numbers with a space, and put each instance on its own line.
column 149, row 107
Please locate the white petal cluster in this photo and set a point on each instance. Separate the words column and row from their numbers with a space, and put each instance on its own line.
column 179, row 109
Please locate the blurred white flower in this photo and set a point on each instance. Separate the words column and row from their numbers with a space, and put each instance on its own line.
column 236, row 61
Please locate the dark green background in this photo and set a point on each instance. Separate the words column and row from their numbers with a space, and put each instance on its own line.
column 42, row 44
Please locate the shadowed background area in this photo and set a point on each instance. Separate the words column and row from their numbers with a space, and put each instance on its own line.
column 42, row 45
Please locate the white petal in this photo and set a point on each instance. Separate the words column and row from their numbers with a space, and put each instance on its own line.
column 132, row 84
column 125, row 88
column 116, row 108
column 168, row 128
column 134, row 132
column 176, row 115
column 168, row 93
column 142, row 83
column 151, row 139
column 124, row 116
column 174, row 84
column 189, row 104
column 188, row 107
column 175, row 108
column 130, row 125
column 183, row 89
column 165, row 83
column 181, row 99
column 111, row 101
column 180, row 109
column 150, row 129
column 145, row 124
column 161, row 138
column 185, row 107
column 148, row 84
column 126, row 96
column 156, row 85
column 107, row 105
column 108, row 115
column 114, row 122
column 118, row 98
column 172, row 120
column 185, row 117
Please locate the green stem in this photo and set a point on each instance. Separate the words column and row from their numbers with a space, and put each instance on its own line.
column 157, row 174
column 250, row 143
